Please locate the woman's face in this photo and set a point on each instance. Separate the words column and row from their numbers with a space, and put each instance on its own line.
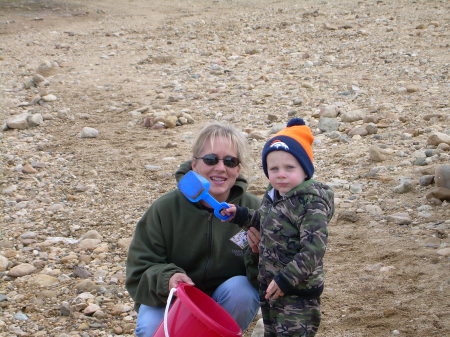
column 220, row 176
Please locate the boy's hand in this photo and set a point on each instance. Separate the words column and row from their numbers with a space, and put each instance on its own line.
column 273, row 291
column 231, row 211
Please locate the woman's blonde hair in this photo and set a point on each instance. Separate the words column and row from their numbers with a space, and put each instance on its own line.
column 216, row 130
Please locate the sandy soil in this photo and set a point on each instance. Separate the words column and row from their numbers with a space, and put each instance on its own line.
column 254, row 64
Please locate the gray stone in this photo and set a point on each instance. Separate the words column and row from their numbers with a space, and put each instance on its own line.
column 88, row 132
column 327, row 124
column 426, row 180
column 399, row 219
column 18, row 122
column 442, row 176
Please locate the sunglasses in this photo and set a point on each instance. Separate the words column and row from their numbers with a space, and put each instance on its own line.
column 212, row 159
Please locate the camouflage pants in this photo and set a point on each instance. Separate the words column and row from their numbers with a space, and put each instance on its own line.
column 291, row 316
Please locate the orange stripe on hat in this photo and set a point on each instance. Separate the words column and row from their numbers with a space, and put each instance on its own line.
column 302, row 134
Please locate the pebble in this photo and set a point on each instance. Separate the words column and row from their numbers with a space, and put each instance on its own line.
column 22, row 270
column 376, row 154
column 426, row 180
column 88, row 132
column 442, row 176
column 4, row 262
column 399, row 219
column 21, row 316
column 405, row 186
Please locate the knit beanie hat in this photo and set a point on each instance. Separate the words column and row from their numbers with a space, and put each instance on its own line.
column 295, row 139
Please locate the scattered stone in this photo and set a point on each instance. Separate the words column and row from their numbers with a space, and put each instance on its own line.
column 442, row 176
column 86, row 286
column 89, row 244
column 81, row 272
column 376, row 154
column 327, row 124
column 399, row 219
column 438, row 194
column 4, row 262
column 92, row 234
column 18, row 122
column 352, row 116
column 437, row 138
column 426, row 180
column 444, row 251
column 124, row 242
column 88, row 132
column 347, row 216
column 405, row 186
column 43, row 280
column 22, row 270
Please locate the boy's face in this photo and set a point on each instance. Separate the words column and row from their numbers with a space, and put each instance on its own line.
column 285, row 172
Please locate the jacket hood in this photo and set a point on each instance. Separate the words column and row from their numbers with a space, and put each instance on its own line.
column 236, row 191
column 311, row 187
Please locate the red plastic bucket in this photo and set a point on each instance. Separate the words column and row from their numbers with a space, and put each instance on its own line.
column 195, row 314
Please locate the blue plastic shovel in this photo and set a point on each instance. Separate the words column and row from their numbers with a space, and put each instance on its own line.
column 196, row 188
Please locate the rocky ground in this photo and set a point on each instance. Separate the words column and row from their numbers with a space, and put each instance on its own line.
column 100, row 101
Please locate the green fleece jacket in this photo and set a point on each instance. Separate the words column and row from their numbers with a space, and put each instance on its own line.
column 175, row 235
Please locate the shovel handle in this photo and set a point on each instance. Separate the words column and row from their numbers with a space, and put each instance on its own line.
column 218, row 206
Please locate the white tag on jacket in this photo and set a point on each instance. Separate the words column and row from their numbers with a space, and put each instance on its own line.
column 240, row 239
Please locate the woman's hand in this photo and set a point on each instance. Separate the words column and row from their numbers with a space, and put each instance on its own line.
column 253, row 238
column 273, row 291
column 178, row 278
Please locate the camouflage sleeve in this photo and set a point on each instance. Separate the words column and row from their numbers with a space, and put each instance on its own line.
column 306, row 268
column 246, row 218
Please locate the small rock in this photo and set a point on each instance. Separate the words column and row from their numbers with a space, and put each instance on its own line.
column 91, row 309
column 21, row 316
column 43, row 280
column 86, row 286
column 81, row 272
column 399, row 219
column 22, row 270
column 89, row 244
column 330, row 111
column 92, row 234
column 436, row 138
column 352, row 116
column 88, row 132
column 405, row 186
column 442, row 176
column 327, row 124
column 348, row 216
column 439, row 193
column 376, row 154
column 27, row 168
column 124, row 242
column 18, row 122
column 426, row 180
column 65, row 309
column 35, row 120
column 4, row 262
column 444, row 251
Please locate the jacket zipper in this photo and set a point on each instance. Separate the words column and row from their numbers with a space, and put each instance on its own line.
column 209, row 243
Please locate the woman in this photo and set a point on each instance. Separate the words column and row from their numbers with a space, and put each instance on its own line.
column 178, row 241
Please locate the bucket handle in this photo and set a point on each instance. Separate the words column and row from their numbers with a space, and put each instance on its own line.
column 169, row 300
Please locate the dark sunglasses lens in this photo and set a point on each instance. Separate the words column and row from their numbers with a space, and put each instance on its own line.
column 231, row 161
column 210, row 159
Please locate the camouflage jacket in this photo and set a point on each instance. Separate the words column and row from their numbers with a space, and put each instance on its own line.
column 293, row 237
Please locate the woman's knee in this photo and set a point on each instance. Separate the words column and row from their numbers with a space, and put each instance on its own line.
column 148, row 320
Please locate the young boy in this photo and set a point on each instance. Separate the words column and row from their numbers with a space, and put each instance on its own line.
column 292, row 220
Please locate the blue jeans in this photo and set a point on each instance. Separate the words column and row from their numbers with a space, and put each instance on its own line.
column 236, row 295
